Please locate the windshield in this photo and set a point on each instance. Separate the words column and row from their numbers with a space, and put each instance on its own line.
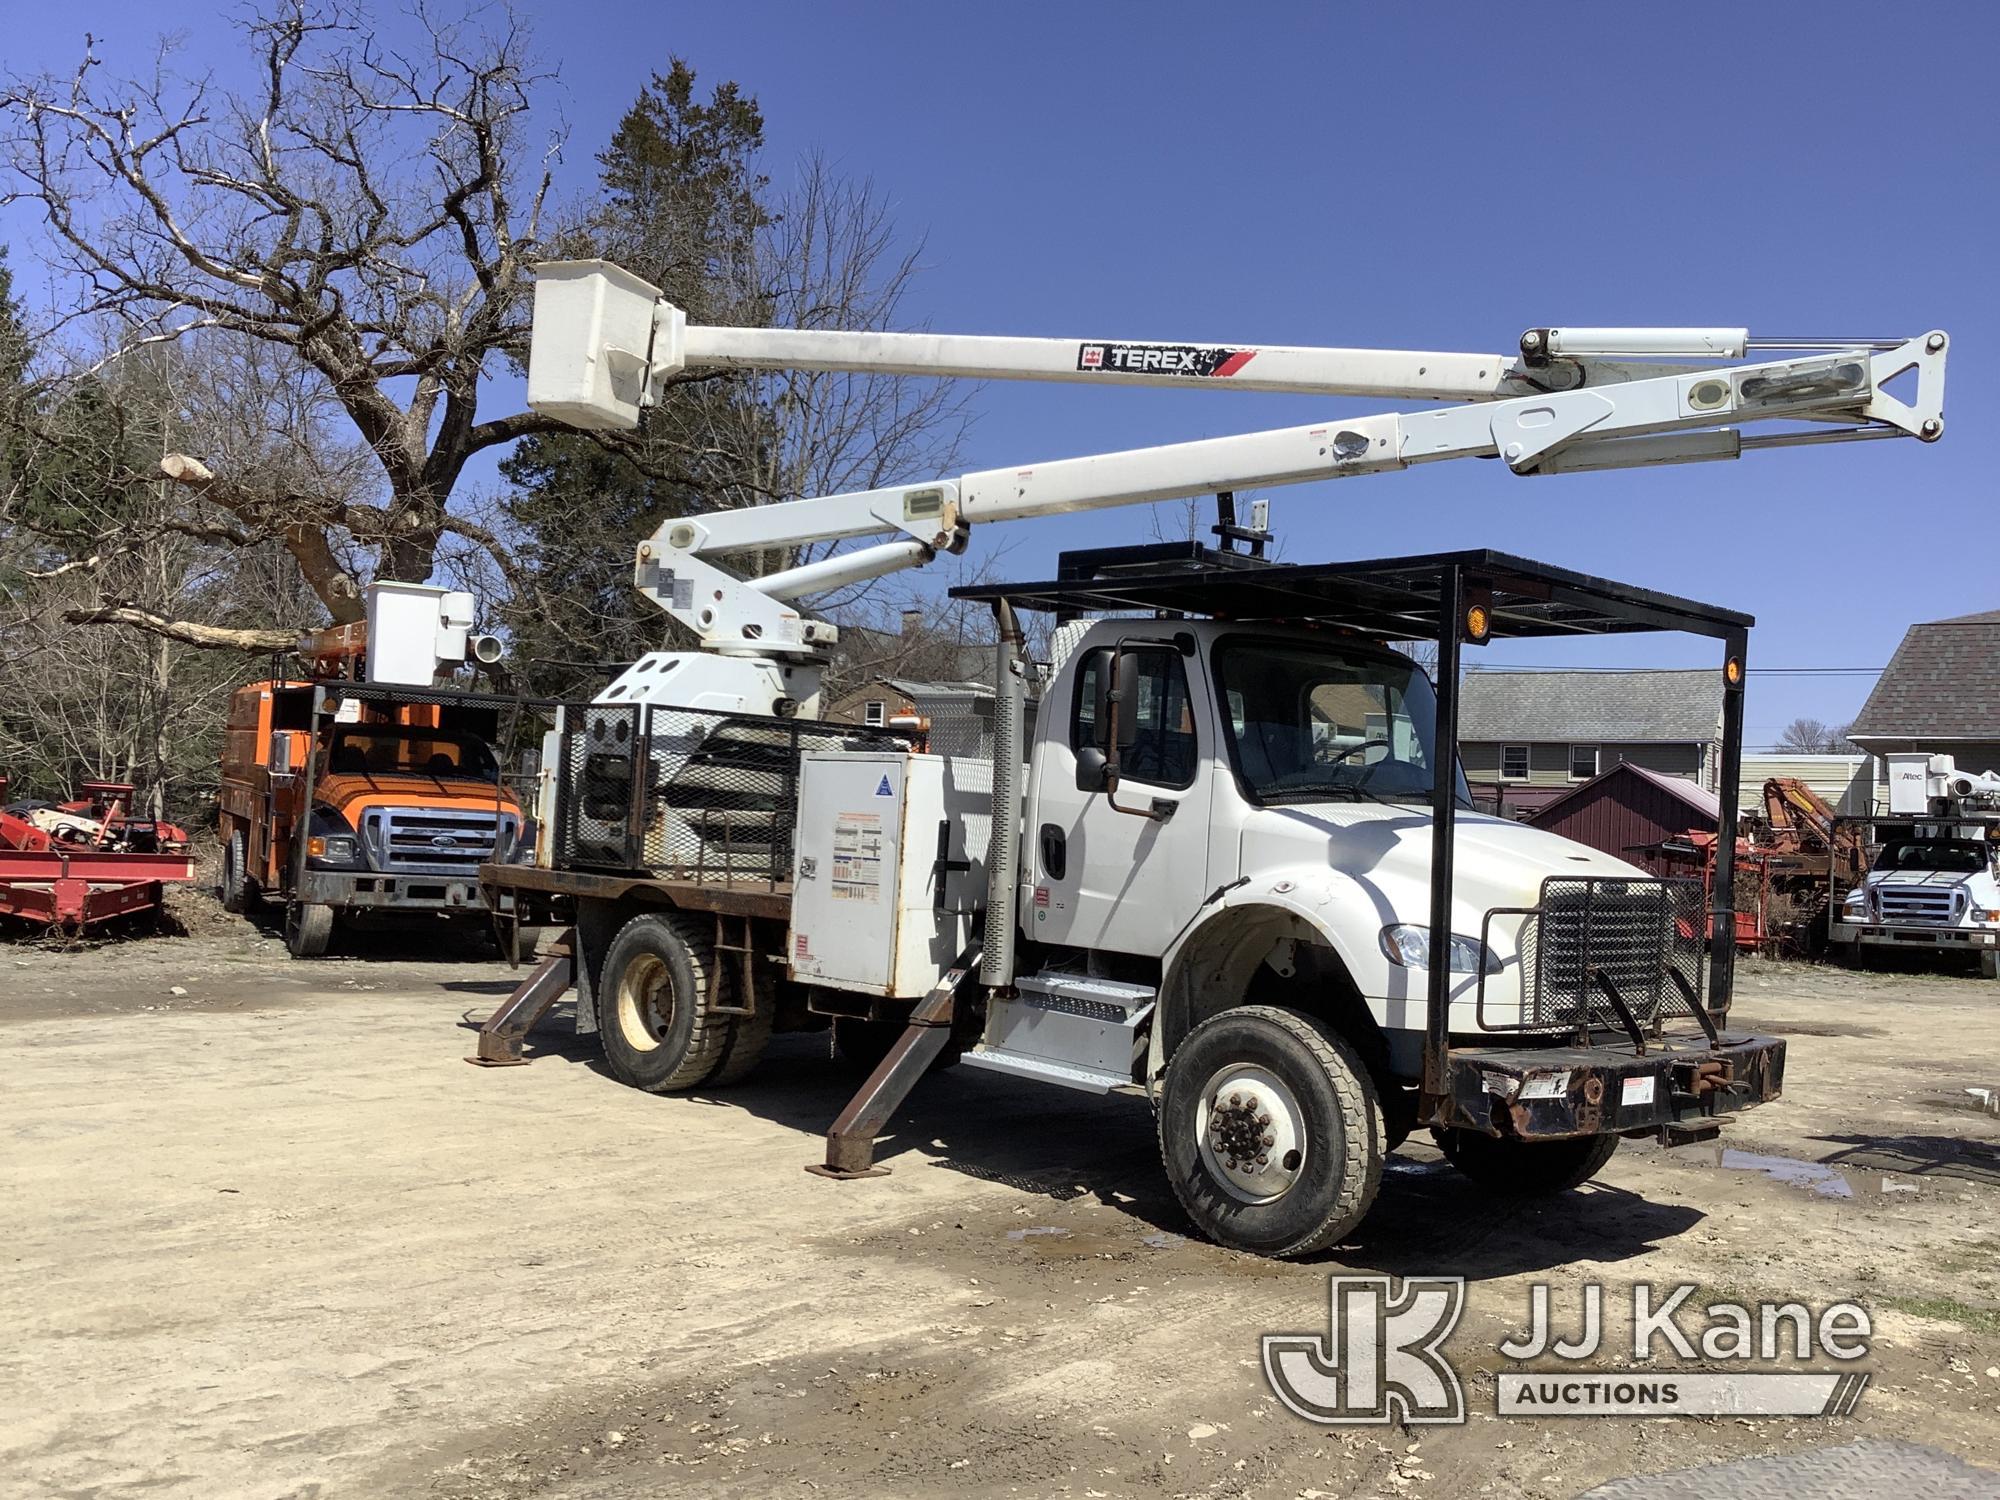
column 395, row 749
column 1312, row 722
column 1946, row 856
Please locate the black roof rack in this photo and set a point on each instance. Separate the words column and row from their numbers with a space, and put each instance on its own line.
column 1396, row 598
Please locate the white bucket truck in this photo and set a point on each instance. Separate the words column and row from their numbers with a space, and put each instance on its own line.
column 1234, row 869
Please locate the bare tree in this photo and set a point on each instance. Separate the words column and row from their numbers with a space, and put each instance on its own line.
column 1811, row 737
column 366, row 215
column 121, row 705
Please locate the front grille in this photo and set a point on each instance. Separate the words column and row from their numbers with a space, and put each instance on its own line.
column 1917, row 905
column 435, row 841
column 1638, row 934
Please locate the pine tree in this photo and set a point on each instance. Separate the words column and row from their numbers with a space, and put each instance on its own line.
column 682, row 207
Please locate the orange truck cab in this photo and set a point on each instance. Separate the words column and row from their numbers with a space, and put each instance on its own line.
column 348, row 801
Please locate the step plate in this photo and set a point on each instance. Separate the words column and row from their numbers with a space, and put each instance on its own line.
column 1042, row 1070
column 1067, row 1029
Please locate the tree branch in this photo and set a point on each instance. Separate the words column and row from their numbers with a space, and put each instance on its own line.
column 187, row 632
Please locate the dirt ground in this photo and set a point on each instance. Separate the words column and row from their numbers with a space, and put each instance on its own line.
column 266, row 1235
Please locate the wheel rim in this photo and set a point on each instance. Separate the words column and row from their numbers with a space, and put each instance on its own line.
column 1251, row 1133
column 645, row 1003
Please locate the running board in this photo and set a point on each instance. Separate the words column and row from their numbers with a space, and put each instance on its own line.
column 1071, row 1030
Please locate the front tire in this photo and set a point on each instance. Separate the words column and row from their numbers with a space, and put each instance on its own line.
column 1270, row 1132
column 308, row 928
column 1526, row 1169
column 1989, row 963
column 659, row 983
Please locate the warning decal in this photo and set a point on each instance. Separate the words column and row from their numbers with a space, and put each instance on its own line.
column 885, row 790
column 857, row 856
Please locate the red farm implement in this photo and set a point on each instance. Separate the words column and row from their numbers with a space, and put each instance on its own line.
column 83, row 863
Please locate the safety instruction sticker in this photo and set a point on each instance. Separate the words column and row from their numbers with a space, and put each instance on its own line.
column 857, row 856
column 885, row 790
column 1546, row 1086
column 1636, row 1090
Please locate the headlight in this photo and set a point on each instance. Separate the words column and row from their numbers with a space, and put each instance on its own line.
column 1856, row 900
column 1409, row 947
column 338, row 847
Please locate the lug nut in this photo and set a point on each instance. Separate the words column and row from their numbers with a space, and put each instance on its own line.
column 1235, row 1100
column 1270, row 1139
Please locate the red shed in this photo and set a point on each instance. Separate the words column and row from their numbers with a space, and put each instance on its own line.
column 1629, row 809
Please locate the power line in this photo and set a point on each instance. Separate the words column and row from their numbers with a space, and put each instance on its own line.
column 1644, row 671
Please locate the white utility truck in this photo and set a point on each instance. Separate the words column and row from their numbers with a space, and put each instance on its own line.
column 1236, row 868
column 1935, row 879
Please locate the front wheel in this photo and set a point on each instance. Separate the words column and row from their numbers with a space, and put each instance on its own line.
column 1270, row 1132
column 1526, row 1169
column 1989, row 963
column 308, row 928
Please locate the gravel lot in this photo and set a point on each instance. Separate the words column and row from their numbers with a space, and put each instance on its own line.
column 268, row 1236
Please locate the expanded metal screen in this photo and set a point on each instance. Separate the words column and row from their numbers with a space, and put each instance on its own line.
column 1645, row 938
column 687, row 795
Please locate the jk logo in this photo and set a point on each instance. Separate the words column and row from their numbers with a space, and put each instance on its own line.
column 1378, row 1361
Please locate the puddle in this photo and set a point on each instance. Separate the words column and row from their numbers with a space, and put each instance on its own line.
column 1036, row 1231
column 1163, row 1241
column 1410, row 1168
column 1815, row 1177
column 1811, row 1175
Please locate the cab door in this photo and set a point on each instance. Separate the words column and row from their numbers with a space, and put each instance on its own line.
column 1123, row 881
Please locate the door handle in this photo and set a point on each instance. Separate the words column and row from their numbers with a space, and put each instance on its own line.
column 1055, row 851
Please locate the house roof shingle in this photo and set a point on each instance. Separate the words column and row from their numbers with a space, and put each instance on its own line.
column 1943, row 683
column 1591, row 707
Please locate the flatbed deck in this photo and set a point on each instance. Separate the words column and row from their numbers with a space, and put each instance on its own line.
column 747, row 898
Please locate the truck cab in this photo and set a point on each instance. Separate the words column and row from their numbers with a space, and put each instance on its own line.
column 1931, row 885
column 1276, row 779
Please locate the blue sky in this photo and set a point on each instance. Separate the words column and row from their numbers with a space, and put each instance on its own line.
column 1403, row 176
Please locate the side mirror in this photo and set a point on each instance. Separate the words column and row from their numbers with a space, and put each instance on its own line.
column 1093, row 770
column 1118, row 699
column 281, row 753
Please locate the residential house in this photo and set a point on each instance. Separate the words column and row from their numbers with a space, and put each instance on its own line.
column 1525, row 738
column 1940, row 693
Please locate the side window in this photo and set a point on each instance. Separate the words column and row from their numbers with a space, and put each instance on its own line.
column 1156, row 734
column 1083, row 712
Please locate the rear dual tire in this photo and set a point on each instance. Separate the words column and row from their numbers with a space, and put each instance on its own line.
column 238, row 893
column 659, row 988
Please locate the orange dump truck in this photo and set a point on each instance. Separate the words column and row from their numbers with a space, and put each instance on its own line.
column 351, row 802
